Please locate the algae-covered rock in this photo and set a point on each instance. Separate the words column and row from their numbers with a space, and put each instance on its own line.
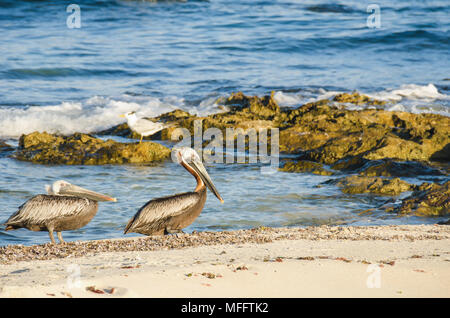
column 381, row 186
column 83, row 149
column 5, row 147
column 428, row 200
column 357, row 99
column 265, row 106
column 323, row 132
column 391, row 168
column 331, row 135
column 350, row 164
column 306, row 166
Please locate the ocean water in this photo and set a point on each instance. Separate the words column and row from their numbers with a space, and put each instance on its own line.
column 153, row 57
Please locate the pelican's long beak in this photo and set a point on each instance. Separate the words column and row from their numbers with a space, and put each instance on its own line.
column 80, row 192
column 123, row 116
column 200, row 169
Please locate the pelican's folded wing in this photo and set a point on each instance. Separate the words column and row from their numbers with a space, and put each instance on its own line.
column 161, row 209
column 42, row 208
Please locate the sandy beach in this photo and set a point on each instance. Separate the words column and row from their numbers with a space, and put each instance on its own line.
column 389, row 261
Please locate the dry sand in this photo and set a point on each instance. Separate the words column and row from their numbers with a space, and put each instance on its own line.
column 389, row 261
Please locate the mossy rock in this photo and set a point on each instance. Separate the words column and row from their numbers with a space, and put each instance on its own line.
column 83, row 149
column 427, row 200
column 323, row 132
column 380, row 186
column 391, row 168
column 357, row 99
column 265, row 106
column 305, row 166
column 5, row 147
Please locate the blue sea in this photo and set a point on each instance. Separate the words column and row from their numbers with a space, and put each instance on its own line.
column 157, row 56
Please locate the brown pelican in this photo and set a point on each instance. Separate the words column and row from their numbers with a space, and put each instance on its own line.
column 142, row 126
column 66, row 207
column 172, row 213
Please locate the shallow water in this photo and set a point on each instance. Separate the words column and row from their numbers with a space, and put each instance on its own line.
column 153, row 57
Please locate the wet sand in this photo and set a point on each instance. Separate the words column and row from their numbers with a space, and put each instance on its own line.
column 388, row 261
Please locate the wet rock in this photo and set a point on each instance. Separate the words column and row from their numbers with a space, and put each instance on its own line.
column 381, row 186
column 350, row 164
column 326, row 132
column 442, row 155
column 265, row 106
column 5, row 147
column 357, row 99
column 306, row 166
column 428, row 200
column 83, row 149
column 390, row 168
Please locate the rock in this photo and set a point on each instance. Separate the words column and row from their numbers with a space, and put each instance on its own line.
column 353, row 164
column 427, row 200
column 305, row 166
column 357, row 99
column 326, row 132
column 442, row 155
column 83, row 149
column 5, row 147
column 265, row 106
column 380, row 186
column 390, row 168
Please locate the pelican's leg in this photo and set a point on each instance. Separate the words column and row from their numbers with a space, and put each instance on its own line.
column 60, row 237
column 142, row 136
column 173, row 231
column 50, row 233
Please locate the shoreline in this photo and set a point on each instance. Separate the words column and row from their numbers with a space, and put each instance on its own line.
column 324, row 261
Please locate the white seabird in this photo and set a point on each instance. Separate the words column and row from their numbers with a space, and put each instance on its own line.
column 142, row 126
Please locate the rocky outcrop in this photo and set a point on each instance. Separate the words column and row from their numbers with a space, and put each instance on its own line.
column 306, row 166
column 327, row 134
column 387, row 167
column 265, row 106
column 427, row 200
column 323, row 131
column 5, row 147
column 380, row 186
column 83, row 149
column 357, row 99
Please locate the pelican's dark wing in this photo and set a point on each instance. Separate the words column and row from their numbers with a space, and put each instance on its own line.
column 41, row 209
column 154, row 212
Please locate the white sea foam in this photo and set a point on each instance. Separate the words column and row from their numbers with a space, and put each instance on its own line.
column 95, row 114
column 411, row 91
column 408, row 98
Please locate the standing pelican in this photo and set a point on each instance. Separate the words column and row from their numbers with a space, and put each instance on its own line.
column 142, row 126
column 172, row 213
column 66, row 207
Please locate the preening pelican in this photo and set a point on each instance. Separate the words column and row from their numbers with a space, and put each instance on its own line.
column 173, row 213
column 66, row 207
column 142, row 126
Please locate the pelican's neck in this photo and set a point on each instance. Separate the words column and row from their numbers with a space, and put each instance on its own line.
column 200, row 184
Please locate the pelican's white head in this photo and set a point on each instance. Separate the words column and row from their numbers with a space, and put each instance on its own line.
column 55, row 188
column 190, row 159
column 187, row 155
